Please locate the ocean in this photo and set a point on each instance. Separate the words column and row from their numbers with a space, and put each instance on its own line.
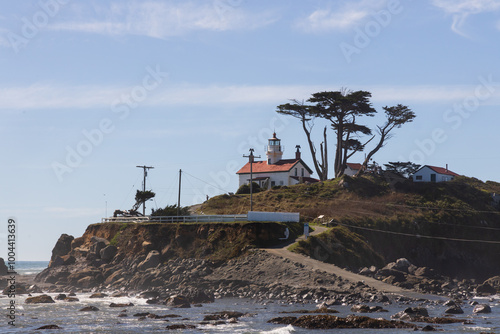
column 106, row 320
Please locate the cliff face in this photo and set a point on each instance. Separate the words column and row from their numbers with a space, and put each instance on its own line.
column 104, row 250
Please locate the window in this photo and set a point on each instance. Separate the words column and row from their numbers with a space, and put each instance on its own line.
column 296, row 172
column 268, row 161
column 302, row 172
column 281, row 182
column 273, row 183
column 418, row 177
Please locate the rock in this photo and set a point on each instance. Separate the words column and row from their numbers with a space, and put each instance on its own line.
column 77, row 242
column 115, row 276
column 398, row 275
column 180, row 326
column 121, row 305
column 178, row 301
column 494, row 282
column 486, row 289
column 62, row 247
column 48, row 327
column 197, row 296
column 60, row 296
column 454, row 310
column 223, row 315
column 425, row 272
column 3, row 268
column 108, row 253
column 360, row 308
column 86, row 278
column 89, row 308
column 482, row 308
column 42, row 299
column 71, row 299
column 428, row 328
column 151, row 261
column 98, row 295
column 149, row 294
column 411, row 314
column 331, row 322
column 95, row 249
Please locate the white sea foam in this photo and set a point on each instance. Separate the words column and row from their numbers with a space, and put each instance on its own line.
column 282, row 330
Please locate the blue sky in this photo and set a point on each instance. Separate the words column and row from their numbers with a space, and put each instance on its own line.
column 91, row 89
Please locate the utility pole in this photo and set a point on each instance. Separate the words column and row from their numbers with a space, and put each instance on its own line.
column 251, row 159
column 145, row 168
column 179, row 197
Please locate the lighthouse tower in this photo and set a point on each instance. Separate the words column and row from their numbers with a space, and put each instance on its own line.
column 274, row 150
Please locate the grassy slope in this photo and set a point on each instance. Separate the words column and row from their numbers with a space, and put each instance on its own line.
column 458, row 209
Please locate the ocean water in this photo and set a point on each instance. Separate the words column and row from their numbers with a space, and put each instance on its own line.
column 67, row 316
column 30, row 267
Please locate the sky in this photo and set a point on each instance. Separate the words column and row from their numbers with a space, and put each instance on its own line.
column 91, row 89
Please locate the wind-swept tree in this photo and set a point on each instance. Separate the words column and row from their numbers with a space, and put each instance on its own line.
column 404, row 169
column 303, row 113
column 395, row 117
column 342, row 109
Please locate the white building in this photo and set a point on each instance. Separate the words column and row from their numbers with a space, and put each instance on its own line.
column 433, row 174
column 276, row 171
column 352, row 169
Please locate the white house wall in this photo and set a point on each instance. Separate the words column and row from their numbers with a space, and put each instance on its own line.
column 279, row 178
column 426, row 176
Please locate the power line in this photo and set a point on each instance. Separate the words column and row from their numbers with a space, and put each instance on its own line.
column 418, row 235
column 224, row 190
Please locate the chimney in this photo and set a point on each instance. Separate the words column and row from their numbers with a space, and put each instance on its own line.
column 447, row 168
column 297, row 153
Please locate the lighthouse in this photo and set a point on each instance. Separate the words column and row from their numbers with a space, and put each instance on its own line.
column 274, row 150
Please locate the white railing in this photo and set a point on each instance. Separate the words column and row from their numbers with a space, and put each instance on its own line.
column 178, row 219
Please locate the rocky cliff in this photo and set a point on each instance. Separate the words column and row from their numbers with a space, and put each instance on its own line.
column 119, row 254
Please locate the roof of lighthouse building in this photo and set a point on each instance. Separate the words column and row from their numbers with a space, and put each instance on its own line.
column 274, row 137
column 283, row 165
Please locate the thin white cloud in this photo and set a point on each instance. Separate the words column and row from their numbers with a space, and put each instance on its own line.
column 462, row 9
column 162, row 20
column 348, row 15
column 43, row 97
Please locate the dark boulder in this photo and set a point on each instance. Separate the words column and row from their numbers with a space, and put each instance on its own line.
column 108, row 253
column 178, row 301
column 486, row 289
column 482, row 308
column 151, row 261
column 48, row 327
column 62, row 247
column 454, row 310
column 89, row 309
column 42, row 299
column 3, row 268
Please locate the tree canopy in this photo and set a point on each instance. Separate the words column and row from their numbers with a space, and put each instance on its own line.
column 345, row 111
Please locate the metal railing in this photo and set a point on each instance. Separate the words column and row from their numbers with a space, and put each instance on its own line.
column 178, row 219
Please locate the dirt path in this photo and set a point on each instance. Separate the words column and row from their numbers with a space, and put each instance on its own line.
column 333, row 269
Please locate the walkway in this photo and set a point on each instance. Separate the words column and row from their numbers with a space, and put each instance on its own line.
column 333, row 269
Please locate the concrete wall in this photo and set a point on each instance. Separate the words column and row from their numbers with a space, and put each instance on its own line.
column 257, row 216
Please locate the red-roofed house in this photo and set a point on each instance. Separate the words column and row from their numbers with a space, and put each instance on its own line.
column 352, row 169
column 433, row 174
column 276, row 171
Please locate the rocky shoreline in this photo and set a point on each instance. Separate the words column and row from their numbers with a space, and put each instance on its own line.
column 94, row 265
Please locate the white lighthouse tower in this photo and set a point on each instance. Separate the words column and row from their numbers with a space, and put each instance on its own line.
column 274, row 150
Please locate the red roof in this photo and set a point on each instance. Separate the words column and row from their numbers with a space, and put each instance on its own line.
column 354, row 166
column 441, row 170
column 284, row 165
